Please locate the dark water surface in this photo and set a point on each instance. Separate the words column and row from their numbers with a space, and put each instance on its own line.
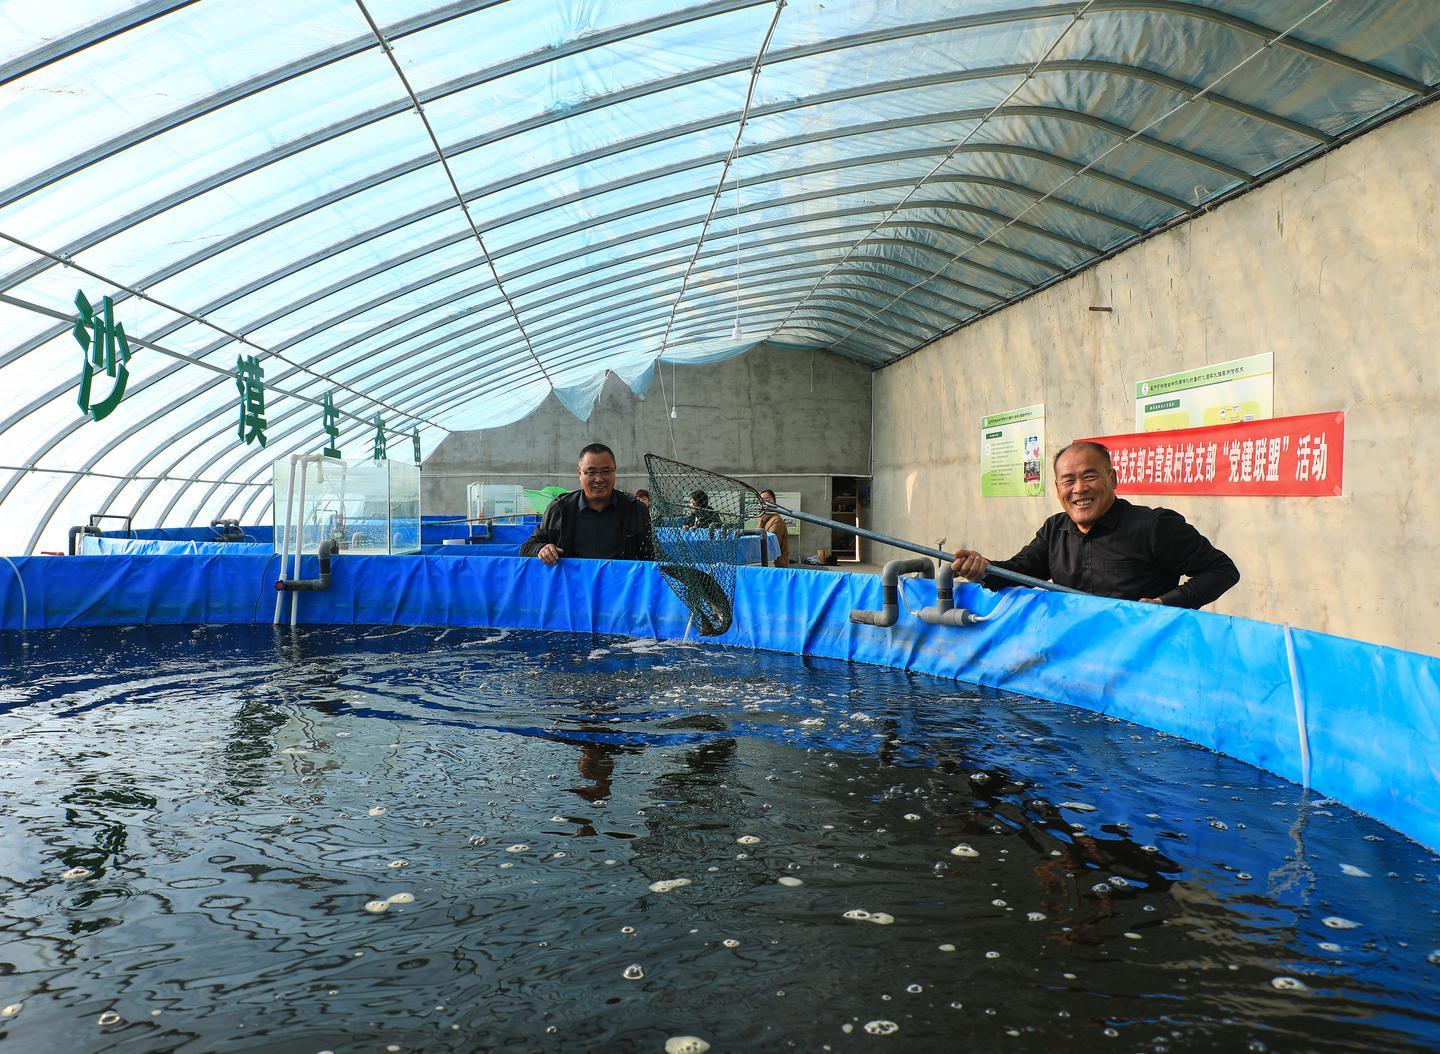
column 236, row 796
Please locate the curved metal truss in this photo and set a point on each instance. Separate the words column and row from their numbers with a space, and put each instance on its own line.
column 441, row 214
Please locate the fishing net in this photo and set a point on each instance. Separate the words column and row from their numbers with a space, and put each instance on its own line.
column 697, row 523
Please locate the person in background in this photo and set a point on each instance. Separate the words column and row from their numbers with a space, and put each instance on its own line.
column 772, row 521
column 1101, row 544
column 701, row 514
column 596, row 522
column 643, row 497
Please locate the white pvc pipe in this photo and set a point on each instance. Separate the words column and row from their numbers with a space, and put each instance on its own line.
column 299, row 536
column 285, row 539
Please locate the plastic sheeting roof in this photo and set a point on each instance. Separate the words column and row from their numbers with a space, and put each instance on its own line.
column 441, row 213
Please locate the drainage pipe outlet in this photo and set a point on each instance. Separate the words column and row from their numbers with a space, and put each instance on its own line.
column 889, row 613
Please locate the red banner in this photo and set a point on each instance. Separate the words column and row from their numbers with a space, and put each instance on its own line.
column 1282, row 457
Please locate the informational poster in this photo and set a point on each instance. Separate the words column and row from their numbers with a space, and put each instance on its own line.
column 1011, row 462
column 791, row 500
column 1282, row 457
column 1222, row 394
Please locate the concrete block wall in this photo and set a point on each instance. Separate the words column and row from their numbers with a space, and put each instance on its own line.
column 1335, row 269
column 774, row 417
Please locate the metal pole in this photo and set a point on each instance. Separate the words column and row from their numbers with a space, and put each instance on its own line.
column 915, row 547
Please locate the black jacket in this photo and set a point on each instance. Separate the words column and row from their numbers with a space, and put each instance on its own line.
column 1131, row 552
column 557, row 526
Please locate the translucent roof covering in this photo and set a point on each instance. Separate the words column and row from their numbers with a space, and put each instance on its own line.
column 441, row 213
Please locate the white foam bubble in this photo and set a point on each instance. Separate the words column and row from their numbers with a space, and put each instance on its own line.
column 519, row 847
column 1335, row 922
column 377, row 810
column 964, row 850
column 992, row 955
column 881, row 1027
column 478, row 839
column 107, row 1019
column 789, row 880
column 880, row 918
column 397, row 864
column 377, row 907
column 748, row 839
column 912, row 816
column 1076, row 806
column 76, row 872
column 686, row 1045
column 627, row 929
column 12, row 1010
column 633, row 972
column 401, row 898
column 730, row 942
column 1131, row 935
column 1289, row 984
column 1434, row 957
column 1036, row 916
column 947, row 947
column 998, row 903
column 1353, row 871
column 665, row 885
column 1330, row 946
column 914, row 989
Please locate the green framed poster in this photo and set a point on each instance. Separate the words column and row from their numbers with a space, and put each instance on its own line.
column 1011, row 462
column 1222, row 394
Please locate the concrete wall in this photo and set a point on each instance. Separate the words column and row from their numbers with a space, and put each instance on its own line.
column 1335, row 269
column 773, row 417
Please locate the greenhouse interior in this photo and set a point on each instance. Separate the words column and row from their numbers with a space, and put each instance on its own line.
column 747, row 525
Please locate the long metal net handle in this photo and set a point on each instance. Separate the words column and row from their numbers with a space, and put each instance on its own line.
column 874, row 536
column 916, row 547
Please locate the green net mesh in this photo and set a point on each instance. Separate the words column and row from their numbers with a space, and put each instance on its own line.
column 697, row 520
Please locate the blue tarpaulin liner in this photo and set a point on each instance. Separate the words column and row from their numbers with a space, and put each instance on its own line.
column 1363, row 719
column 265, row 534
column 431, row 533
column 93, row 546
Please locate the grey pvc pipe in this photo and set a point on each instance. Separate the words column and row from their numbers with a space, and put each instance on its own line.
column 889, row 613
column 325, row 551
column 945, row 613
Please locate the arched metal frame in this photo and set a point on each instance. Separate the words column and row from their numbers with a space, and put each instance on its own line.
column 608, row 299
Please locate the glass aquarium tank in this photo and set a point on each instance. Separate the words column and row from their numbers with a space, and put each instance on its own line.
column 499, row 501
column 364, row 506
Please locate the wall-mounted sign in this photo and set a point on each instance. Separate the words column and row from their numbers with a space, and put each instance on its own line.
column 1282, row 457
column 1012, row 464
column 1225, row 393
column 791, row 500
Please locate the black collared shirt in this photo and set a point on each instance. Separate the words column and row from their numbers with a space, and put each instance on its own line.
column 1133, row 552
column 599, row 534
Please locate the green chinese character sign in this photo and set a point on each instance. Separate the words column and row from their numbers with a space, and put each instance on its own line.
column 379, row 439
column 416, row 437
column 250, row 382
column 103, row 342
column 330, row 422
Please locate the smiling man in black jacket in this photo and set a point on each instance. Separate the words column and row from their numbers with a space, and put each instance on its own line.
column 596, row 522
column 1102, row 544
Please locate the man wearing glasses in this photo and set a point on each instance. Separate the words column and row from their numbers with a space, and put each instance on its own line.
column 1102, row 544
column 596, row 522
